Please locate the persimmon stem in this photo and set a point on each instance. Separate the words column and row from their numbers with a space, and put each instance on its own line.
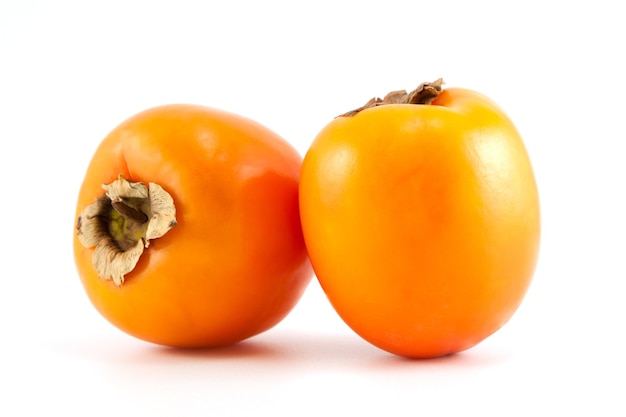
column 425, row 93
column 128, row 212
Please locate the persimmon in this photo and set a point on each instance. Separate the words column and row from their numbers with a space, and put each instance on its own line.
column 421, row 216
column 187, row 227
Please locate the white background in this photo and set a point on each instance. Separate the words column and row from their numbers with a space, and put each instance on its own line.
column 71, row 71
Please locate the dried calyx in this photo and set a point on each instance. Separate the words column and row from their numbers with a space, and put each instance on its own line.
column 121, row 223
column 425, row 93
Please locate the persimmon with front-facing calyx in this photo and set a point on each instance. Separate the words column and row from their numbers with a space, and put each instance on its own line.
column 421, row 216
column 187, row 227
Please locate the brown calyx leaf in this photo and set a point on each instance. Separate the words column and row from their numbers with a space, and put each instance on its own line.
column 121, row 223
column 425, row 93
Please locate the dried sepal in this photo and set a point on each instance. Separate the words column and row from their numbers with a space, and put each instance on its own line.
column 121, row 223
column 163, row 213
column 91, row 227
column 112, row 263
column 121, row 189
column 425, row 93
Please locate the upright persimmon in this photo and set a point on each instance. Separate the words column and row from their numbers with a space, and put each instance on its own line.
column 421, row 216
column 187, row 227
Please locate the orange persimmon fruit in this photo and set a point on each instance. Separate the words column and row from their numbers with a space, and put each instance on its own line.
column 421, row 217
column 187, row 227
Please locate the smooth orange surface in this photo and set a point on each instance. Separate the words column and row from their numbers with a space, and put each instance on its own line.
column 422, row 222
column 236, row 263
